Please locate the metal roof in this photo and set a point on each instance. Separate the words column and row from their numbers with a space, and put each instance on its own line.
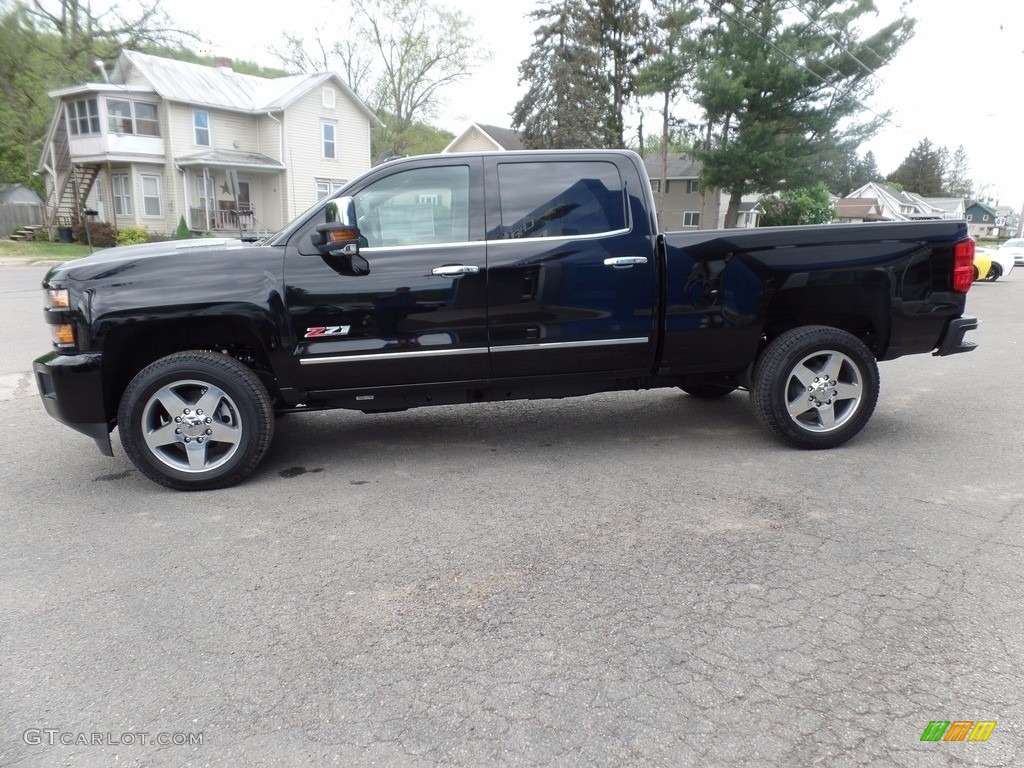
column 230, row 158
column 222, row 88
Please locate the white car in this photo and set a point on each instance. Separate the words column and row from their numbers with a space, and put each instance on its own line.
column 1013, row 248
column 1002, row 262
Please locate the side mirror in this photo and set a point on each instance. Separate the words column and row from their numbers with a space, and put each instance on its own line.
column 338, row 238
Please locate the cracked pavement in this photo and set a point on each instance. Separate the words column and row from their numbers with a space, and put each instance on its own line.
column 638, row 579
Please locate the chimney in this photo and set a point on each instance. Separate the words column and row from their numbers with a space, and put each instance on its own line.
column 222, row 63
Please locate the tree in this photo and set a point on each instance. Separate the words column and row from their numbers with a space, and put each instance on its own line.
column 86, row 36
column 622, row 30
column 781, row 81
column 564, row 105
column 866, row 170
column 808, row 205
column 666, row 73
column 47, row 45
column 398, row 56
column 921, row 171
column 958, row 183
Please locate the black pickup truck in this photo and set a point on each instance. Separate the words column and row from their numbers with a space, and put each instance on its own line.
column 479, row 277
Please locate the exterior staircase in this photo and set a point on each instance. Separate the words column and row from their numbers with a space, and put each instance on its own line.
column 65, row 200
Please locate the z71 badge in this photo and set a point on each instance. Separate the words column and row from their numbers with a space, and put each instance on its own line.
column 328, row 330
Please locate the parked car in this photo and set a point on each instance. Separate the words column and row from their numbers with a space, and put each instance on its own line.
column 1013, row 248
column 1001, row 263
column 982, row 264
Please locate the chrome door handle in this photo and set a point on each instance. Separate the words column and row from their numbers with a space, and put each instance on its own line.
column 625, row 261
column 451, row 270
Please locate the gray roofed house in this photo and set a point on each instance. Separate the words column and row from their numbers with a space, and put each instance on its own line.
column 228, row 152
column 895, row 205
column 478, row 137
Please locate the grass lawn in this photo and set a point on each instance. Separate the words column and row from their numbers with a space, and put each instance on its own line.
column 32, row 251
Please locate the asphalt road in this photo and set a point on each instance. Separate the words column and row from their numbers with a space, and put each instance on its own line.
column 636, row 579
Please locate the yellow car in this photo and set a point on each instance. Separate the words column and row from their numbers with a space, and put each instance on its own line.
column 982, row 265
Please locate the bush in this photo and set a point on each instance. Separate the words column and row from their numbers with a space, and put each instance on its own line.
column 102, row 233
column 132, row 235
column 182, row 232
column 42, row 236
column 159, row 237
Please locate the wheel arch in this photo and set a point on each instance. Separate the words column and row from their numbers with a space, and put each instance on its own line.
column 130, row 347
column 863, row 312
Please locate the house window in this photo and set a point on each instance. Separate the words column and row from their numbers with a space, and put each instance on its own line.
column 329, row 134
column 325, row 187
column 151, row 196
column 84, row 116
column 328, row 98
column 984, row 217
column 429, row 200
column 655, row 185
column 132, row 117
column 692, row 186
column 146, row 121
column 201, row 127
column 691, row 219
column 121, row 185
column 970, row 217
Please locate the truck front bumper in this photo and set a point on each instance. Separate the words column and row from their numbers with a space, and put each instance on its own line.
column 953, row 339
column 71, row 387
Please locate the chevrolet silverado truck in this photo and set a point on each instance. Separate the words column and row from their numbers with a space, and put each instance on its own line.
column 469, row 278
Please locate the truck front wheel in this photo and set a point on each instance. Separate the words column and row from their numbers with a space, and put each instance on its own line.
column 196, row 421
column 815, row 386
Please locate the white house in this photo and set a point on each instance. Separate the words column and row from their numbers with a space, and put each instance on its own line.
column 229, row 152
column 894, row 205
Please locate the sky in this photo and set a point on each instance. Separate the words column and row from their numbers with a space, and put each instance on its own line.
column 957, row 82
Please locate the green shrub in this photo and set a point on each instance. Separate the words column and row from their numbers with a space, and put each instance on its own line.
column 132, row 235
column 102, row 233
column 42, row 236
column 182, row 232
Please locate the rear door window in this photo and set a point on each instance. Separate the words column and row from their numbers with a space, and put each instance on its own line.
column 559, row 199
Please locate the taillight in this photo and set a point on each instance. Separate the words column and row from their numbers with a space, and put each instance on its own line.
column 963, row 266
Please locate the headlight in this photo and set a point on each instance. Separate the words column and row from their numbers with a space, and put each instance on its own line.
column 57, row 298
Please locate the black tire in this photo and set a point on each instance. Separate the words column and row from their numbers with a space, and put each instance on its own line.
column 195, row 421
column 707, row 391
column 994, row 273
column 815, row 386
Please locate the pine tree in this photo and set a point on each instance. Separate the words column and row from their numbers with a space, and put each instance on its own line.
column 563, row 106
column 621, row 30
column 780, row 82
column 958, row 183
column 921, row 171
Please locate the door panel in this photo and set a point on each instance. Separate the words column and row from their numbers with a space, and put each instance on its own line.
column 419, row 316
column 571, row 282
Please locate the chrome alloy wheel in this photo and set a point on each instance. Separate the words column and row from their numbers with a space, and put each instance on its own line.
column 824, row 391
column 191, row 426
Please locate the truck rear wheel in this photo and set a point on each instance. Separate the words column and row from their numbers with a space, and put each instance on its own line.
column 815, row 386
column 196, row 421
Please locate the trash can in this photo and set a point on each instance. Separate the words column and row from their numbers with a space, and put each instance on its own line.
column 64, row 235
